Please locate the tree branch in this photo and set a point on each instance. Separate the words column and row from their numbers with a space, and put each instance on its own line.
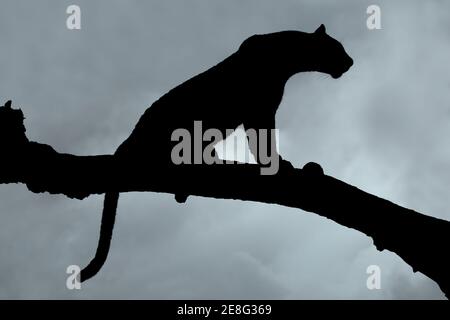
column 420, row 240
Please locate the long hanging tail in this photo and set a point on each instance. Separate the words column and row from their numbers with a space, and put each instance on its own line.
column 104, row 242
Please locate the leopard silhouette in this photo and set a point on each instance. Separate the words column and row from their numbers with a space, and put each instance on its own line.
column 244, row 89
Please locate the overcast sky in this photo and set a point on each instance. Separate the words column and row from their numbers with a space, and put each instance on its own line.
column 383, row 127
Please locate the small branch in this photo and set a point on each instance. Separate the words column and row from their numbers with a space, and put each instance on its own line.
column 420, row 240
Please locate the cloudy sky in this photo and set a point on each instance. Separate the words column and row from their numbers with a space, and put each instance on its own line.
column 384, row 127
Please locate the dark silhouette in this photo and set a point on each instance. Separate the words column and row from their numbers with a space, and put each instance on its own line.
column 246, row 88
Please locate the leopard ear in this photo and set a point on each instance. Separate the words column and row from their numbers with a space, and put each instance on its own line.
column 321, row 30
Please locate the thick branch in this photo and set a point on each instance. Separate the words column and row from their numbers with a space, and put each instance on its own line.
column 420, row 240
